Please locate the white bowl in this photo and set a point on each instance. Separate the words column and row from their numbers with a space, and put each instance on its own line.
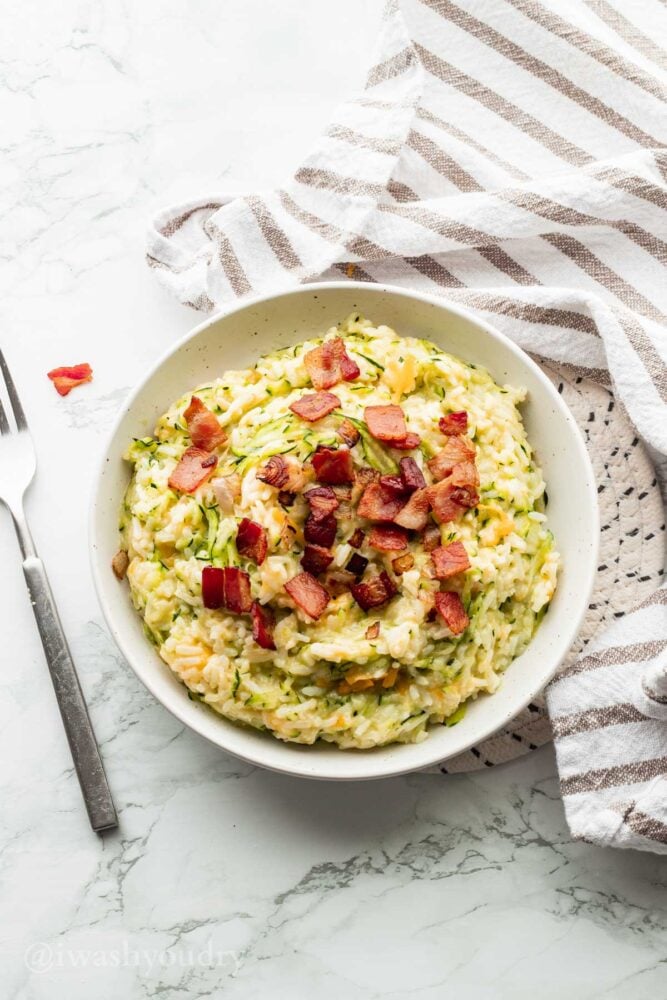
column 236, row 339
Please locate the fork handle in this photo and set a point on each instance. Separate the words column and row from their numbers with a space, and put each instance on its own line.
column 73, row 709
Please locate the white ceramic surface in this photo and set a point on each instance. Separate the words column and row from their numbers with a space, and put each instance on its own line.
column 235, row 340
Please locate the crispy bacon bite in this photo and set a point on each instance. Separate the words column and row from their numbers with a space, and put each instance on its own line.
column 356, row 565
column 408, row 443
column 333, row 465
column 263, row 624
column 379, row 504
column 194, row 467
column 374, row 592
column 373, row 631
column 402, row 563
column 308, row 594
column 450, row 608
column 228, row 588
column 454, row 423
column 356, row 540
column 393, row 484
column 448, row 560
column 330, row 364
column 316, row 559
column 411, row 475
column 363, row 477
column 431, row 537
column 457, row 449
column 203, row 426
column 322, row 501
column 314, row 406
column 275, row 472
column 348, row 433
column 320, row 529
column 414, row 515
column 388, row 538
column 448, row 501
column 67, row 378
column 386, row 423
column 251, row 541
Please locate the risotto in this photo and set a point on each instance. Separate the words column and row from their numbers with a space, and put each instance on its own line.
column 346, row 542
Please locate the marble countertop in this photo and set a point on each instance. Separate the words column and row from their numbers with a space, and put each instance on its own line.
column 224, row 880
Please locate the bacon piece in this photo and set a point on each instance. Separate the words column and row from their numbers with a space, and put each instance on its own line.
column 386, row 423
column 203, row 426
column 227, row 490
column 263, row 624
column 465, row 474
column 308, row 594
column 411, row 475
column 320, row 530
column 251, row 541
column 119, row 564
column 448, row 501
column 408, row 443
column 67, row 378
column 348, row 433
column 415, row 513
column 431, row 537
column 338, row 581
column 314, row 406
column 388, row 538
column 394, row 484
column 454, row 423
column 316, row 559
column 457, row 449
column 285, row 498
column 194, row 467
column 356, row 565
column 449, row 560
column 275, row 472
column 333, row 465
column 298, row 475
column 356, row 540
column 402, row 563
column 373, row 631
column 329, row 364
column 450, row 608
column 374, row 592
column 322, row 501
column 379, row 504
column 363, row 477
column 228, row 588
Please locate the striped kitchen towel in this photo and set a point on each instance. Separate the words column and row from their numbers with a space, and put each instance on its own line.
column 510, row 155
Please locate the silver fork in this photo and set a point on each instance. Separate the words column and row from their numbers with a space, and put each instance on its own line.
column 17, row 468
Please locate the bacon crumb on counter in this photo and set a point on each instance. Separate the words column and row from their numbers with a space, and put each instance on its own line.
column 315, row 406
column 251, row 541
column 68, row 377
column 308, row 594
column 448, row 560
column 388, row 538
column 450, row 608
column 228, row 588
column 119, row 564
column 194, row 467
column 203, row 426
column 263, row 624
column 454, row 423
column 333, row 465
column 329, row 364
column 373, row 592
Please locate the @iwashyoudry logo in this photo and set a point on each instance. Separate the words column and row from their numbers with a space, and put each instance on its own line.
column 41, row 957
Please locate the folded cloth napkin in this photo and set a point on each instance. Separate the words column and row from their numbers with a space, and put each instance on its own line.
column 509, row 155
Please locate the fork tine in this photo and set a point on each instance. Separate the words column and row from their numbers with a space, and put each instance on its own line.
column 4, row 424
column 19, row 415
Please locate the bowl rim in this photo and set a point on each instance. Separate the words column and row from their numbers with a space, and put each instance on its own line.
column 392, row 767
